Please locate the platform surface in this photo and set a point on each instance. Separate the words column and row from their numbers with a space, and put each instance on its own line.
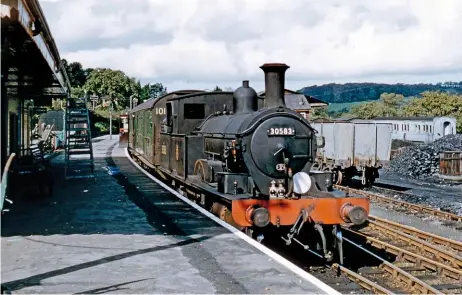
column 123, row 233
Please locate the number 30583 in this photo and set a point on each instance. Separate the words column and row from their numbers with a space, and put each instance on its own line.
column 281, row 131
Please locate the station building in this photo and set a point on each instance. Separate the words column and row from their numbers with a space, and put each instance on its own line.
column 32, row 73
column 419, row 129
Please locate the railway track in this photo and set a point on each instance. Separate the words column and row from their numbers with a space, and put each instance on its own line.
column 393, row 228
column 409, row 207
column 403, row 274
column 418, row 262
column 421, row 262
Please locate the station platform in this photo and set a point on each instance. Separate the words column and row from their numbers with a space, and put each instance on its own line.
column 121, row 232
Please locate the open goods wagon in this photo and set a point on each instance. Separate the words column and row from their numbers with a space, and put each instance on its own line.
column 353, row 148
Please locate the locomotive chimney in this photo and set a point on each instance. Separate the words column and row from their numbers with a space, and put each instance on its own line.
column 245, row 99
column 274, row 84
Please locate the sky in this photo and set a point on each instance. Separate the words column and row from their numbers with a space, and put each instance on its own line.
column 200, row 44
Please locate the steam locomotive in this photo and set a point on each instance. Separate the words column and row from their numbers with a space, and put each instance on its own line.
column 247, row 160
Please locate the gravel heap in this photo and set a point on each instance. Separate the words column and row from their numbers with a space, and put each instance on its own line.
column 423, row 160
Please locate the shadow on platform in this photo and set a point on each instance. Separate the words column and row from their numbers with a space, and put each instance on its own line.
column 120, row 200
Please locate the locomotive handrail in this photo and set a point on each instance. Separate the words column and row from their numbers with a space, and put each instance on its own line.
column 206, row 119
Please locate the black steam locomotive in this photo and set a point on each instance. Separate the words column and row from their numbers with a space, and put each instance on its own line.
column 246, row 159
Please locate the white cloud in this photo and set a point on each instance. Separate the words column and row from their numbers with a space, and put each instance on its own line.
column 210, row 42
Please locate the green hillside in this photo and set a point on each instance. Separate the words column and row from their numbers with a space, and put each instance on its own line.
column 359, row 92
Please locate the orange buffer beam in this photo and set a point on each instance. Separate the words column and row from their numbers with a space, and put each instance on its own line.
column 286, row 211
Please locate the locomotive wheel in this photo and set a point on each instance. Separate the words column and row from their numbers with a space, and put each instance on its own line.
column 224, row 214
column 200, row 169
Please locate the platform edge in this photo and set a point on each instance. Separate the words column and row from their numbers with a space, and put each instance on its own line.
column 281, row 260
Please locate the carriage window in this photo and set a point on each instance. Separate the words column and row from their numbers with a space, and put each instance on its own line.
column 194, row 111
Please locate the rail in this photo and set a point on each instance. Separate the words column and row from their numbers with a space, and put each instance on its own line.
column 422, row 247
column 430, row 256
column 398, row 275
column 403, row 204
column 4, row 184
column 361, row 280
column 409, row 256
column 428, row 237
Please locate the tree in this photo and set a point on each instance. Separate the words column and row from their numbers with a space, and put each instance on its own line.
column 88, row 72
column 388, row 105
column 368, row 110
column 149, row 91
column 391, row 100
column 217, row 89
column 58, row 104
column 77, row 92
column 76, row 74
column 319, row 113
column 112, row 85
column 434, row 104
column 355, row 92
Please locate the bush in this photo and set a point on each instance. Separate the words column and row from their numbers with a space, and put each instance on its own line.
column 102, row 127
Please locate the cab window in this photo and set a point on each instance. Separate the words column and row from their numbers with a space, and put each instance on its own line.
column 194, row 111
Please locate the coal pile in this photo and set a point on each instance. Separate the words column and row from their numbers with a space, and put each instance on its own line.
column 423, row 160
column 398, row 143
